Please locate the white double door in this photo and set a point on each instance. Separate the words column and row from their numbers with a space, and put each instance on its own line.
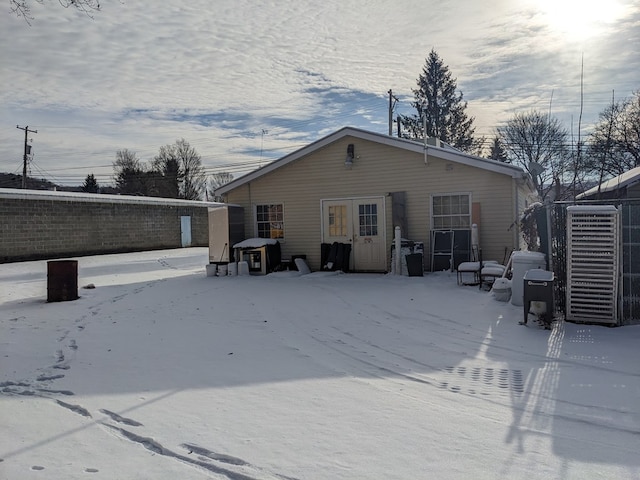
column 361, row 223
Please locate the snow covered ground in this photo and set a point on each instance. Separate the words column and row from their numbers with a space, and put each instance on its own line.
column 161, row 372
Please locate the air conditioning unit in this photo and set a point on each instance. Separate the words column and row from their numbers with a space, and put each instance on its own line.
column 593, row 259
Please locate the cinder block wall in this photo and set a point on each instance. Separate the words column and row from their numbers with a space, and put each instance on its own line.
column 43, row 225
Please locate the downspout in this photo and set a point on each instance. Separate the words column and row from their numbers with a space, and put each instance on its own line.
column 549, row 237
column 398, row 245
column 516, row 230
column 251, row 214
column 426, row 162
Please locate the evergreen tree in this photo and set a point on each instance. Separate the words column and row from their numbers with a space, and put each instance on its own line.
column 167, row 175
column 90, row 184
column 130, row 175
column 437, row 100
column 497, row 151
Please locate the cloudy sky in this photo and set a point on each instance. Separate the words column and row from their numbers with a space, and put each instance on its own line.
column 246, row 82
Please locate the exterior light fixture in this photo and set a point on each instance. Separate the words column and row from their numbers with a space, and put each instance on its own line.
column 350, row 156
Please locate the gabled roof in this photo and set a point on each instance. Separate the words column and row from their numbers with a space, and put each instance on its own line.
column 627, row 178
column 446, row 153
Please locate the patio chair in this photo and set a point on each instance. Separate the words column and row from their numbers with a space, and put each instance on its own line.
column 481, row 272
column 469, row 272
column 490, row 271
column 470, row 269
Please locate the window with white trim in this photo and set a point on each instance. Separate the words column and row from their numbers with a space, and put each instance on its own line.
column 270, row 221
column 451, row 212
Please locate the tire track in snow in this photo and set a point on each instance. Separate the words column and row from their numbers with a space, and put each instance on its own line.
column 497, row 385
column 395, row 369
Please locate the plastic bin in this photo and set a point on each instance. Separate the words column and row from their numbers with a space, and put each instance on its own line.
column 243, row 268
column 502, row 289
column 414, row 265
column 292, row 264
column 407, row 247
column 521, row 262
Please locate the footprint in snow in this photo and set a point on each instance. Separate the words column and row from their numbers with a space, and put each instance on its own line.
column 117, row 418
column 44, row 378
column 75, row 408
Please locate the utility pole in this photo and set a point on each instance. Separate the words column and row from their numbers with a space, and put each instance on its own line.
column 392, row 104
column 26, row 150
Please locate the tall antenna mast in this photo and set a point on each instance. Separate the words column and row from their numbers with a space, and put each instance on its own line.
column 392, row 103
column 579, row 146
column 264, row 132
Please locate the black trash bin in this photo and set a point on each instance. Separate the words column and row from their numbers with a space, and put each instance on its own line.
column 414, row 265
column 538, row 287
column 62, row 280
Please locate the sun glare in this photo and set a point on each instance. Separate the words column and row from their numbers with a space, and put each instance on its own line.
column 579, row 19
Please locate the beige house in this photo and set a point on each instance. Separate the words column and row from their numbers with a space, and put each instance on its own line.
column 354, row 187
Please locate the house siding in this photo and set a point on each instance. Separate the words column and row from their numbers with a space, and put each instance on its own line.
column 378, row 170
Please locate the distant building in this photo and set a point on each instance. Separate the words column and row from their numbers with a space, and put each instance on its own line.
column 625, row 186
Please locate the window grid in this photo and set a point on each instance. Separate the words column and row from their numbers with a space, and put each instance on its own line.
column 338, row 221
column 451, row 212
column 270, row 221
column 368, row 220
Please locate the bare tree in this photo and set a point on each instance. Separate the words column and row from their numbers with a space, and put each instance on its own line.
column 194, row 179
column 22, row 8
column 538, row 144
column 216, row 181
column 615, row 140
column 181, row 163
